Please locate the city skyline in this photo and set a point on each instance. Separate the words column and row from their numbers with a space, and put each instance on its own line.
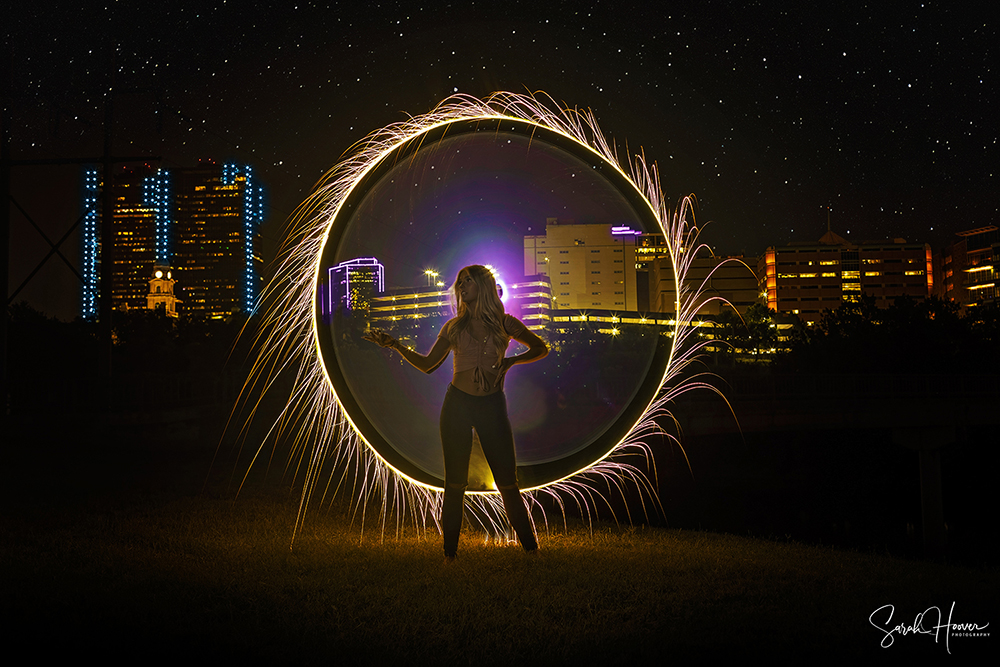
column 602, row 263
column 769, row 117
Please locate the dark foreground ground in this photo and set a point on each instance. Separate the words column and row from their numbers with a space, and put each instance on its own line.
column 112, row 545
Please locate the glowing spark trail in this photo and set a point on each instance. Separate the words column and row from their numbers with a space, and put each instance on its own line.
column 328, row 448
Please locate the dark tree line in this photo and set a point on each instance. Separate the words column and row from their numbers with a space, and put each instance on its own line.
column 929, row 336
column 49, row 358
column 755, row 333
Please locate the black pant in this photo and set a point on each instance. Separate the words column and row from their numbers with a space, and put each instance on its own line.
column 460, row 414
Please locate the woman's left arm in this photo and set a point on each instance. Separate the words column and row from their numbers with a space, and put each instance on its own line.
column 537, row 349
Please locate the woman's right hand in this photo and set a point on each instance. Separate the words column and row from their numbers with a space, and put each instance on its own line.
column 380, row 338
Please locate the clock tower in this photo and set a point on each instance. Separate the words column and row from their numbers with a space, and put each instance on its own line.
column 161, row 291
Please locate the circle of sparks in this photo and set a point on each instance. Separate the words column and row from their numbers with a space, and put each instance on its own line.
column 329, row 449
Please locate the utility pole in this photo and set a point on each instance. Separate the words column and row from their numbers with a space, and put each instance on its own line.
column 5, row 90
column 105, row 279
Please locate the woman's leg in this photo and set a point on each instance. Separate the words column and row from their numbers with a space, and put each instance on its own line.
column 456, row 442
column 517, row 514
column 497, row 439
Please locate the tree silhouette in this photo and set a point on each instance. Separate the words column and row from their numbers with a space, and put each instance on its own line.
column 910, row 336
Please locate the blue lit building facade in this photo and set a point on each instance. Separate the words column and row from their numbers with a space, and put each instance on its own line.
column 240, row 178
column 157, row 195
column 91, row 251
column 140, row 232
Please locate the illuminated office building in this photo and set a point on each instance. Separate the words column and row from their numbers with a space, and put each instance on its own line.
column 140, row 231
column 219, row 209
column 201, row 223
column 350, row 285
column 967, row 269
column 414, row 315
column 589, row 266
column 411, row 303
column 806, row 279
column 531, row 301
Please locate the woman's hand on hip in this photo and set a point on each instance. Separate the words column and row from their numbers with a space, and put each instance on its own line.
column 505, row 365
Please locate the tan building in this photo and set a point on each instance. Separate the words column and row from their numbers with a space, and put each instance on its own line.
column 589, row 266
column 720, row 279
column 806, row 279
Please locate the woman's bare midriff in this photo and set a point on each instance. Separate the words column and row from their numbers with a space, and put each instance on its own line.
column 466, row 381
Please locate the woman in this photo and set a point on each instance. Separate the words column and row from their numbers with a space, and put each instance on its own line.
column 478, row 335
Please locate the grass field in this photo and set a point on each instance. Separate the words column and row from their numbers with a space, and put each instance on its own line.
column 125, row 557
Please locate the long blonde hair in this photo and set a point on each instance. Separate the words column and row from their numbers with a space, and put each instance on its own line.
column 487, row 307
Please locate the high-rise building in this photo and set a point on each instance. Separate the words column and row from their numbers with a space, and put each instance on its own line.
column 589, row 266
column 199, row 223
column 140, row 232
column 351, row 285
column 806, row 279
column 219, row 209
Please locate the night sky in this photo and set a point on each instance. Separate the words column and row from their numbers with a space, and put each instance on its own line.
column 769, row 114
